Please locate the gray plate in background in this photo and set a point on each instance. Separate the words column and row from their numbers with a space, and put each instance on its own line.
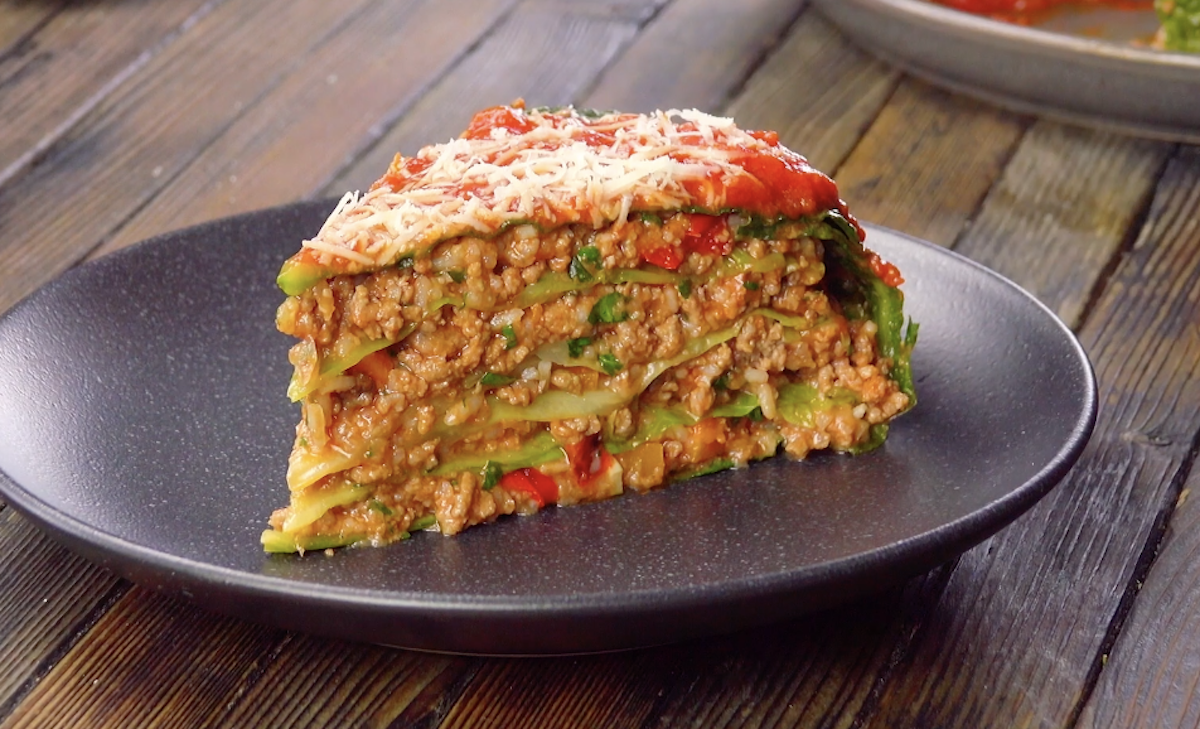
column 1081, row 67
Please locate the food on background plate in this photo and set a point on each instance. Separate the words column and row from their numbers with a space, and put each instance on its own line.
column 559, row 305
column 1180, row 25
column 1179, row 19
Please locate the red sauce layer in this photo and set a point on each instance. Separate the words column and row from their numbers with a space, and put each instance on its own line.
column 1029, row 11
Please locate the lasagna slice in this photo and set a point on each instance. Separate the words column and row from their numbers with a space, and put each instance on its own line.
column 560, row 305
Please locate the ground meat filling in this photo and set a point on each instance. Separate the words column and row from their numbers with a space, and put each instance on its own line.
column 417, row 381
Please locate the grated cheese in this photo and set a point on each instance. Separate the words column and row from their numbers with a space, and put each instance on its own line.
column 566, row 168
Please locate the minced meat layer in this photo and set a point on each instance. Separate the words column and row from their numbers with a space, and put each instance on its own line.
column 738, row 350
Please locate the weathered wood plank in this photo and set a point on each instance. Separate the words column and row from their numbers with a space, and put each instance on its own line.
column 1060, row 211
column 1031, row 610
column 818, row 91
column 345, row 685
column 60, row 72
column 143, row 133
column 18, row 21
column 66, row 589
column 546, row 53
column 927, row 162
column 1152, row 674
column 699, row 50
column 330, row 107
column 173, row 669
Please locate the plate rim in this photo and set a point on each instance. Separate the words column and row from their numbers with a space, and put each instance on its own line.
column 1070, row 52
column 175, row 574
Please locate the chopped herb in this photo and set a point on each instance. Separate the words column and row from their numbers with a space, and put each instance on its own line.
column 495, row 379
column 303, row 443
column 492, row 472
column 579, row 272
column 406, row 262
column 650, row 219
column 457, row 276
column 685, row 288
column 575, row 347
column 589, row 254
column 610, row 364
column 755, row 415
column 722, row 382
column 577, row 269
column 510, row 336
column 377, row 505
column 423, row 522
column 609, row 309
column 750, row 285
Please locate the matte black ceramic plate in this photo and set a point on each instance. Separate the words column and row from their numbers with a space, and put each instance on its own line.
column 1087, row 66
column 143, row 422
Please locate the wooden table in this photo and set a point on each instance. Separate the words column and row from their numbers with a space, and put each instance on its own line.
column 123, row 119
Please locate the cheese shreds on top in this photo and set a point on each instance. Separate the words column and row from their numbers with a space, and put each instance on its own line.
column 559, row 167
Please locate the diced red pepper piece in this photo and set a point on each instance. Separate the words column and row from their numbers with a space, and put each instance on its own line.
column 703, row 235
column 664, row 257
column 588, row 460
column 531, row 481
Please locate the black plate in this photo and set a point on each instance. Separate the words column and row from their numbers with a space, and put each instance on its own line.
column 143, row 423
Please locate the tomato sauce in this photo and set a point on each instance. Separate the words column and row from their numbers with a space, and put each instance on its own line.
column 776, row 182
column 1028, row 11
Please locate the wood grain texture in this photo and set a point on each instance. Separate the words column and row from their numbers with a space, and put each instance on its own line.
column 1032, row 610
column 344, row 685
column 817, row 671
column 1062, row 209
column 1152, row 675
column 166, row 672
column 65, row 589
column 927, row 162
column 143, row 133
column 692, row 55
column 66, row 67
column 818, row 91
column 546, row 53
column 1151, row 678
column 330, row 106
column 19, row 20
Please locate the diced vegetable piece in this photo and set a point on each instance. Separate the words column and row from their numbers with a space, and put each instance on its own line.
column 422, row 522
column 494, row 379
column 542, row 448
column 306, row 467
column 548, row 288
column 743, row 405
column 510, row 336
column 1180, row 24
column 558, row 405
column 531, row 481
column 283, row 543
column 342, row 358
column 608, row 309
column 576, row 346
column 377, row 366
column 609, row 363
column 492, row 472
column 705, row 440
column 296, row 276
column 643, row 275
column 664, row 257
column 308, row 506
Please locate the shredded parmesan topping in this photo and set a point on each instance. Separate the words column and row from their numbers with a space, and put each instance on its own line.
column 546, row 167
